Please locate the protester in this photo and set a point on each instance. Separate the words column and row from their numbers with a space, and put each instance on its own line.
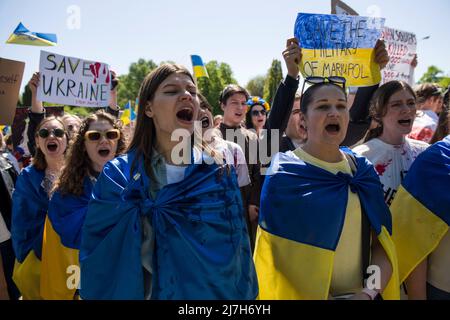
column 158, row 229
column 230, row 152
column 7, row 151
column 393, row 107
column 429, row 104
column 295, row 135
column 443, row 126
column 218, row 120
column 30, row 204
column 421, row 219
column 99, row 140
column 256, row 115
column 322, row 249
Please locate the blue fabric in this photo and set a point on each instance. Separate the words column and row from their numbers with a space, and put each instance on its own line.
column 428, row 179
column 21, row 29
column 307, row 204
column 202, row 248
column 30, row 205
column 67, row 213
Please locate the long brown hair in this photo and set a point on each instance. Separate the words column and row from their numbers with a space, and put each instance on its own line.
column 144, row 137
column 39, row 161
column 379, row 105
column 78, row 164
column 442, row 128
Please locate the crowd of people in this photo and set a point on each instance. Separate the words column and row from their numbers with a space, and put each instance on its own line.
column 295, row 198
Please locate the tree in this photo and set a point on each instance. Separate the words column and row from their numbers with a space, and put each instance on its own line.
column 26, row 96
column 220, row 75
column 129, row 84
column 274, row 76
column 256, row 86
column 435, row 75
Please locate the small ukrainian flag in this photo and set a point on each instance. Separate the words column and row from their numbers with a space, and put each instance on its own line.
column 24, row 36
column 199, row 67
column 128, row 114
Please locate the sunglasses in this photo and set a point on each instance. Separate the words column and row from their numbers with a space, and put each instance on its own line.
column 257, row 112
column 94, row 135
column 340, row 81
column 45, row 133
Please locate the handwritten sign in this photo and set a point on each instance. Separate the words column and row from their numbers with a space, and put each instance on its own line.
column 401, row 47
column 73, row 81
column 339, row 45
column 11, row 73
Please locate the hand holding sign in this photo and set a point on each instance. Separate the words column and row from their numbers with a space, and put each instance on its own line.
column 339, row 46
column 292, row 56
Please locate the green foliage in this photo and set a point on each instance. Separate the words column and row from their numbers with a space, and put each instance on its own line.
column 129, row 84
column 435, row 75
column 79, row 111
column 219, row 76
column 26, row 96
column 256, row 86
column 274, row 76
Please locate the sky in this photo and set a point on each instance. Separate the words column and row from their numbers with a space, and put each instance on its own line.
column 246, row 34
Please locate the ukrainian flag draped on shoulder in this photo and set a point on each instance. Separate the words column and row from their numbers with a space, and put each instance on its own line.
column 22, row 35
column 301, row 218
column 202, row 249
column 30, row 204
column 61, row 243
column 421, row 208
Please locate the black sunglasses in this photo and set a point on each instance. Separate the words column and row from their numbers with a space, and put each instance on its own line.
column 45, row 133
column 340, row 81
column 257, row 112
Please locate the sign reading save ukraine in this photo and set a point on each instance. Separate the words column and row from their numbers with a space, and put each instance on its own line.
column 339, row 45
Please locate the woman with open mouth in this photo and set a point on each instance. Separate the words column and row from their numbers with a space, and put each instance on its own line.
column 256, row 116
column 99, row 140
column 323, row 216
column 393, row 108
column 161, row 228
column 30, row 204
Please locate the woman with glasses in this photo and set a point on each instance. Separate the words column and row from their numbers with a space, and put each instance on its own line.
column 164, row 221
column 99, row 140
column 256, row 116
column 322, row 216
column 30, row 204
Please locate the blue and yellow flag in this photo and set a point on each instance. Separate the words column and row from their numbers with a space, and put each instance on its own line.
column 202, row 250
column 24, row 36
column 128, row 114
column 338, row 45
column 199, row 67
column 421, row 208
column 302, row 212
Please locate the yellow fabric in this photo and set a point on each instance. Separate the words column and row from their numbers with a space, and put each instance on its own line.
column 416, row 231
column 361, row 68
column 56, row 258
column 200, row 71
column 289, row 270
column 439, row 265
column 392, row 290
column 346, row 277
column 29, row 40
column 27, row 277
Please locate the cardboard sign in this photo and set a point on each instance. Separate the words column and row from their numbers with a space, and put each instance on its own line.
column 73, row 81
column 339, row 45
column 401, row 47
column 11, row 73
column 339, row 7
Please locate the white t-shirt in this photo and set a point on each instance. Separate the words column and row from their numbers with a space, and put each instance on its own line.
column 391, row 162
column 424, row 125
column 4, row 232
column 233, row 155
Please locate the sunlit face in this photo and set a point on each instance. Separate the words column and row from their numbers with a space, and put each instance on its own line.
column 101, row 143
column 72, row 125
column 234, row 110
column 259, row 117
column 327, row 116
column 206, row 119
column 295, row 129
column 175, row 105
column 401, row 112
column 51, row 146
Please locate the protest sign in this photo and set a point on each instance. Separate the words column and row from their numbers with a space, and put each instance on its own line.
column 339, row 45
column 401, row 47
column 73, row 81
column 339, row 7
column 11, row 73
